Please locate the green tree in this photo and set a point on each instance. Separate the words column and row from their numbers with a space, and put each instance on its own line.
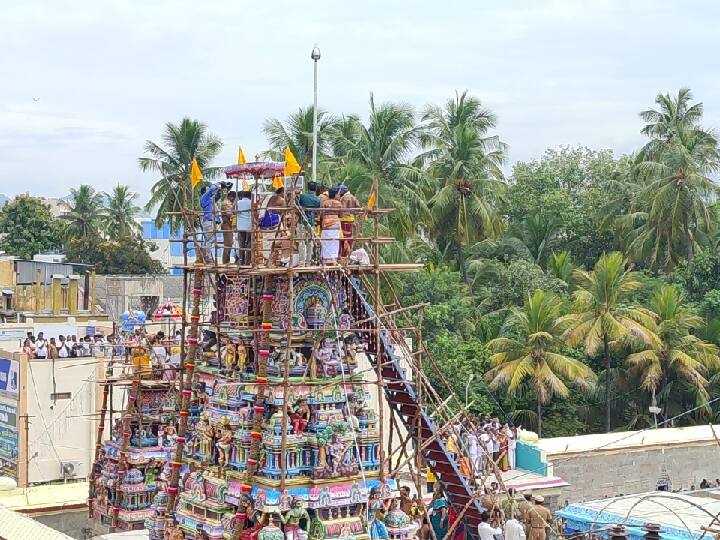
column 464, row 173
column 297, row 134
column 84, row 213
column 601, row 318
column 677, row 354
column 560, row 266
column 172, row 160
column 126, row 255
column 376, row 153
column 531, row 354
column 120, row 213
column 27, row 227
column 569, row 189
column 675, row 117
column 674, row 202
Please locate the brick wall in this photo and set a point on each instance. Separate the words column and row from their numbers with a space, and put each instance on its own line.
column 596, row 475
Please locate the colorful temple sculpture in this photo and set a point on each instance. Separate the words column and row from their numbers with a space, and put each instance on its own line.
column 130, row 465
column 300, row 397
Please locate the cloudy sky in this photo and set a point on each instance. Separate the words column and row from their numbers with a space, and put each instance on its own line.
column 108, row 74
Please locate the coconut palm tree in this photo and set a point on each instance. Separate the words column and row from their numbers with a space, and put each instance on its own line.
column 84, row 212
column 297, row 134
column 463, row 168
column 172, row 159
column 673, row 117
column 674, row 201
column 376, row 153
column 601, row 317
column 383, row 144
column 678, row 355
column 120, row 213
column 560, row 265
column 530, row 354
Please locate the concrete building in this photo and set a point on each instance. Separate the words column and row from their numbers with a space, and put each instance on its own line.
column 47, row 417
column 611, row 464
column 169, row 251
column 46, row 291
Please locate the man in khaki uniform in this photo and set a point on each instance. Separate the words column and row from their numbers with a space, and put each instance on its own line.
column 538, row 517
column 523, row 507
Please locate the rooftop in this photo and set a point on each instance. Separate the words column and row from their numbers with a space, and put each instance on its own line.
column 681, row 516
column 630, row 440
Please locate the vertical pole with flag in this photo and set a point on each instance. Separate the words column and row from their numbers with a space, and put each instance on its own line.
column 195, row 173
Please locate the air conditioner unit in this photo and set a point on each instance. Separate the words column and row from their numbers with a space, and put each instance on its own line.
column 69, row 469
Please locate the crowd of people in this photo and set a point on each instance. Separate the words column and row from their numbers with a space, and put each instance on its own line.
column 68, row 346
column 326, row 219
column 506, row 516
column 488, row 444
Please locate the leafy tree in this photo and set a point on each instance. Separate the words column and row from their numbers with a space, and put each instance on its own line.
column 172, row 160
column 297, row 134
column 127, row 255
column 84, row 213
column 568, row 189
column 376, row 153
column 501, row 285
column 677, row 354
column 672, row 216
column 530, row 353
column 676, row 118
column 601, row 319
column 675, row 215
column 560, row 266
column 120, row 213
column 27, row 227
column 464, row 171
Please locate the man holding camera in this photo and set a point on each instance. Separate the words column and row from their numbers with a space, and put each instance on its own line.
column 208, row 220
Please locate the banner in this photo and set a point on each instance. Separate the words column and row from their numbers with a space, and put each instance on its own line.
column 8, row 439
column 9, row 377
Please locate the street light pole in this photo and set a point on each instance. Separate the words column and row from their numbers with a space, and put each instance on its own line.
column 315, row 55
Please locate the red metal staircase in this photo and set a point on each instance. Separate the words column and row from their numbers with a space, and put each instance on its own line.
column 422, row 422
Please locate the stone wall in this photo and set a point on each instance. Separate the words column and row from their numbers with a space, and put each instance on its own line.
column 596, row 475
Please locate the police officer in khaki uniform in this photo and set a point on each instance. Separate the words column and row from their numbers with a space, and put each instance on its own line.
column 538, row 518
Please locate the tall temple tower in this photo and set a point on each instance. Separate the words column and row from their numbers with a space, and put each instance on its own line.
column 272, row 430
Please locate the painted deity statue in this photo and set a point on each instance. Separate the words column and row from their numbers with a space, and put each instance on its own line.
column 291, row 520
column 328, row 358
column 224, row 443
column 241, row 357
column 300, row 416
column 200, row 427
column 336, row 450
column 208, row 443
column 229, row 351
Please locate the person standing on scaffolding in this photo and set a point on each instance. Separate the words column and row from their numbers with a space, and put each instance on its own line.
column 306, row 225
column 208, row 219
column 270, row 222
column 228, row 214
column 347, row 220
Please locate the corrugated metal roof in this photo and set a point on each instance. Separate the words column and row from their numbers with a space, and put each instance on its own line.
column 16, row 526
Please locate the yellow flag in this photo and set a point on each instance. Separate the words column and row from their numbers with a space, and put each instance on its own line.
column 371, row 201
column 291, row 164
column 241, row 156
column 277, row 182
column 195, row 173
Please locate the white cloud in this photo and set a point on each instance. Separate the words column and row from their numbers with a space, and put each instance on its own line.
column 110, row 74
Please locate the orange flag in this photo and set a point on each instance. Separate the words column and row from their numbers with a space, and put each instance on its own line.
column 195, row 173
column 291, row 164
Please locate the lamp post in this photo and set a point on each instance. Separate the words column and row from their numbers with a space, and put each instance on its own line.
column 467, row 388
column 315, row 55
